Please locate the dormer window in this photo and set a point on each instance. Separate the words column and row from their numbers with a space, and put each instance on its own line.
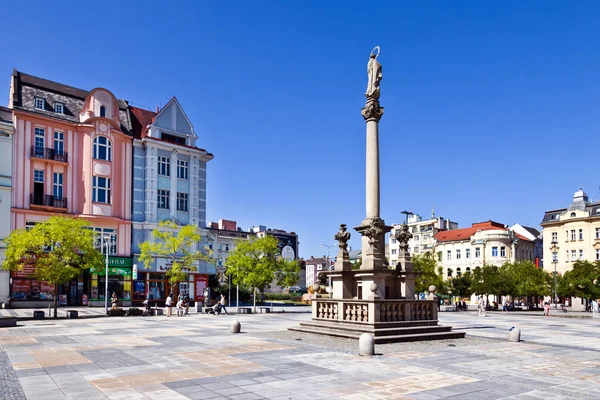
column 40, row 103
column 573, row 215
column 59, row 108
column 102, row 111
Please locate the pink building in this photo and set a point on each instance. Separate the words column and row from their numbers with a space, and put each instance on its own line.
column 72, row 155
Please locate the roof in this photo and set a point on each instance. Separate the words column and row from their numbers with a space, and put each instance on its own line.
column 531, row 230
column 554, row 215
column 140, row 119
column 315, row 261
column 466, row 233
column 6, row 114
column 28, row 87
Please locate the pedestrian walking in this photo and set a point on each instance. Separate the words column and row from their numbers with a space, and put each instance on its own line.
column 222, row 303
column 179, row 307
column 546, row 309
column 169, row 305
column 504, row 305
column 186, row 305
column 594, row 308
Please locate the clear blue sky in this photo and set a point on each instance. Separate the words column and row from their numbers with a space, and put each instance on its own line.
column 492, row 109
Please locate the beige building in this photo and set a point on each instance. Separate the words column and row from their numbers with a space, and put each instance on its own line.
column 423, row 231
column 572, row 234
column 484, row 243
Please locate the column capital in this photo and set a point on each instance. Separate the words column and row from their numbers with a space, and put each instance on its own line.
column 372, row 111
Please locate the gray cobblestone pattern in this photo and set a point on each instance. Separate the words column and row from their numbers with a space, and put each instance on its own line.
column 10, row 388
column 196, row 357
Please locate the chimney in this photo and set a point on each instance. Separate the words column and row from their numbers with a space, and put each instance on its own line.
column 157, row 110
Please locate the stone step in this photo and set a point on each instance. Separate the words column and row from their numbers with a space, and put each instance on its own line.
column 402, row 330
column 413, row 337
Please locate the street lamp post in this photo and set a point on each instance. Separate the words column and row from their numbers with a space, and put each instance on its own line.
column 106, row 243
column 554, row 250
column 328, row 259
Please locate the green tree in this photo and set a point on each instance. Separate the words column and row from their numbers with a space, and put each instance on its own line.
column 583, row 280
column 527, row 280
column 177, row 244
column 60, row 247
column 426, row 268
column 257, row 263
column 461, row 285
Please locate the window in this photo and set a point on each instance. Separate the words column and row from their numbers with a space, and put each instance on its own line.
column 458, row 272
column 29, row 225
column 567, row 232
column 502, row 251
column 182, row 202
column 40, row 103
column 580, row 254
column 226, row 247
column 39, row 141
column 573, row 255
column 567, row 255
column 597, row 233
column 449, row 272
column 477, row 252
column 57, row 187
column 393, row 240
column 597, row 254
column 581, row 234
column 102, row 111
column 182, row 169
column 102, row 148
column 416, row 238
column 573, row 215
column 164, row 166
column 38, row 175
column 393, row 251
column 163, row 198
column 59, row 108
column 449, row 255
column 104, row 235
column 573, row 235
column 555, row 236
column 467, row 253
column 439, row 256
column 101, row 190
column 458, row 254
column 554, row 257
column 494, row 251
column 172, row 138
column 59, row 143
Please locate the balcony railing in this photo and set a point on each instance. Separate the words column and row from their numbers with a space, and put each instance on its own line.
column 49, row 154
column 48, row 201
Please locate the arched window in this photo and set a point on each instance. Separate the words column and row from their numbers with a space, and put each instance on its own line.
column 573, row 215
column 449, row 272
column 458, row 272
column 102, row 148
column 102, row 111
column 468, row 269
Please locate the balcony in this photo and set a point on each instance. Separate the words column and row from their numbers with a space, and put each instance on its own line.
column 46, row 201
column 49, row 154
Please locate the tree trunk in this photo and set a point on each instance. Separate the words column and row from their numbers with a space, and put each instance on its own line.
column 254, row 298
column 56, row 300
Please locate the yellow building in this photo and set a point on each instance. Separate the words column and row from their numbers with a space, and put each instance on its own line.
column 572, row 234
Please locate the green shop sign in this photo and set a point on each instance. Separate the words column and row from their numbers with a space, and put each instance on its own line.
column 116, row 266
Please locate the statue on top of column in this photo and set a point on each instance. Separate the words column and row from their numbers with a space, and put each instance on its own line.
column 374, row 72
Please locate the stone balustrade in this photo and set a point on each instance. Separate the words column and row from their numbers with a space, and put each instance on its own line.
column 374, row 311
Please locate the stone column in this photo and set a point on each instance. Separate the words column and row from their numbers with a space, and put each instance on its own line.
column 372, row 167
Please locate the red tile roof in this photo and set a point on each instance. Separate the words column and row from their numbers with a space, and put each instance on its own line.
column 466, row 233
column 140, row 120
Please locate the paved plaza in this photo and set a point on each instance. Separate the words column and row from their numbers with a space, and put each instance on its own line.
column 195, row 357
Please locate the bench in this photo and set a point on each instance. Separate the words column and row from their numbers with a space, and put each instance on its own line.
column 7, row 322
column 265, row 309
column 244, row 310
column 450, row 308
column 72, row 314
column 39, row 315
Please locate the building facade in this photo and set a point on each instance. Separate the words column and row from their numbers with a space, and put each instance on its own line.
column 72, row 155
column 423, row 232
column 484, row 243
column 314, row 266
column 570, row 234
column 169, row 183
column 536, row 237
column 221, row 238
column 6, row 137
